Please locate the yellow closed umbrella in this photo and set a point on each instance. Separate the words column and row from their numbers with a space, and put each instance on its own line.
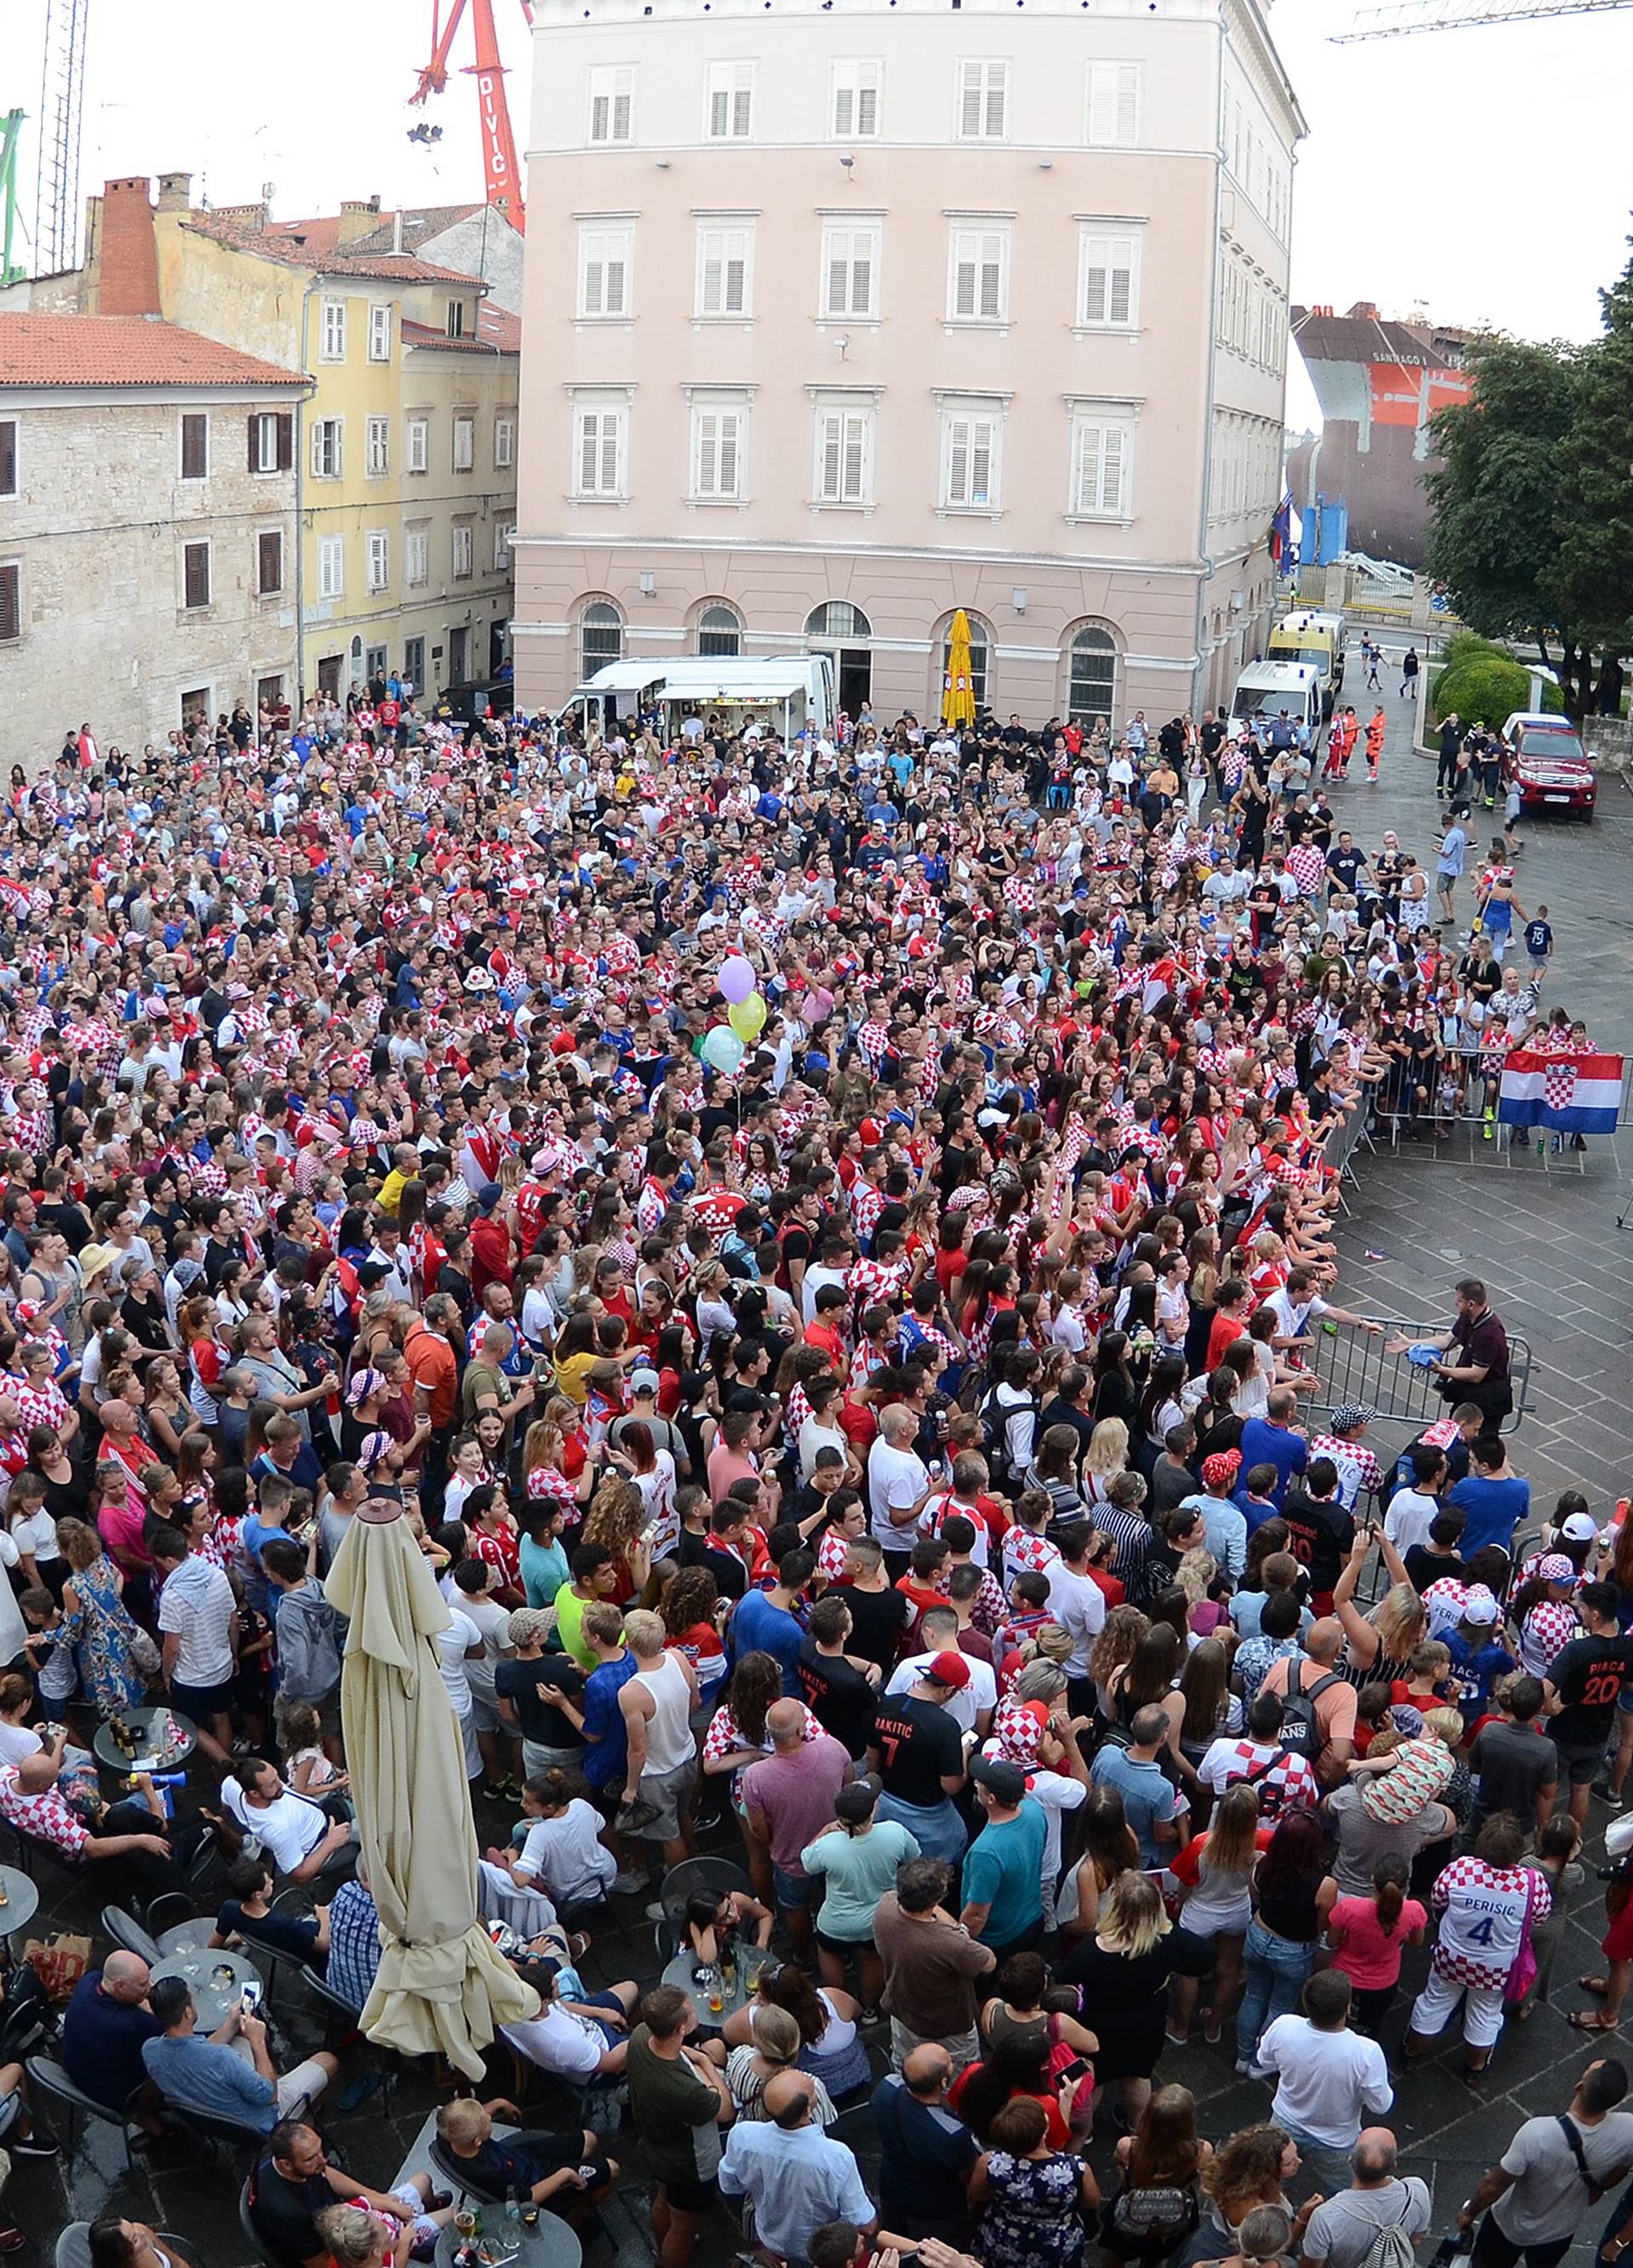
column 958, row 690
column 443, row 1986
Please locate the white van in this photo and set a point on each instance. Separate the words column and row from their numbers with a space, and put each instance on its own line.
column 1269, row 689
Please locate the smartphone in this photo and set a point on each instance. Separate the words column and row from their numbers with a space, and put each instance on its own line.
column 249, row 1999
column 1077, row 2071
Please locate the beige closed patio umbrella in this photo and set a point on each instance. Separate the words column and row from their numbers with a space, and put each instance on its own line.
column 443, row 1986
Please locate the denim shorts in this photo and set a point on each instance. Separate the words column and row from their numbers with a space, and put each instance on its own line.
column 796, row 1890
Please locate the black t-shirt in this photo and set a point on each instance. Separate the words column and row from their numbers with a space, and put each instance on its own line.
column 519, row 1682
column 1323, row 1532
column 878, row 1620
column 284, row 2212
column 838, row 1697
column 918, row 1746
column 1343, row 866
column 1588, row 1674
column 924, row 2150
column 296, row 1935
column 1424, row 1567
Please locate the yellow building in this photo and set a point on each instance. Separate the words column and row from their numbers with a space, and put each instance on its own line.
column 404, row 451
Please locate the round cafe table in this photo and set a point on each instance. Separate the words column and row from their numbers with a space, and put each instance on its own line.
column 148, row 1726
column 215, row 1980
column 22, row 1899
column 549, row 2243
column 750, row 1961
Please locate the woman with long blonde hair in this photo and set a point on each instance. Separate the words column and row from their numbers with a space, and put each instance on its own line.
column 1106, row 1456
column 1121, row 1632
column 1122, row 1971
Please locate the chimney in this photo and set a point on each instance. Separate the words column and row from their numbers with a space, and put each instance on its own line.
column 130, row 282
column 359, row 217
column 250, row 219
column 176, row 192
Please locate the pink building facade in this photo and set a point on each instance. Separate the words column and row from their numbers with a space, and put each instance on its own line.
column 841, row 315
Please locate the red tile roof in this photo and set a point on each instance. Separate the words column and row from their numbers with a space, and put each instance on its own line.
column 123, row 350
column 420, row 222
column 497, row 333
column 279, row 244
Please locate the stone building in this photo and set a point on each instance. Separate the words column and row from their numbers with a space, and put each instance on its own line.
column 147, row 529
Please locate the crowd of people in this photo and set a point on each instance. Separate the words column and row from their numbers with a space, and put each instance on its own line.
column 828, row 1245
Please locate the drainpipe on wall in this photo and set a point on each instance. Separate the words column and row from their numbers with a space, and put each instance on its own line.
column 1198, row 673
column 300, row 492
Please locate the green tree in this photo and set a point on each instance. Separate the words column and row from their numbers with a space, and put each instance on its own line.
column 1592, row 575
column 1495, row 536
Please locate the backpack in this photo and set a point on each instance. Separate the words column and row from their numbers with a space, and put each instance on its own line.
column 1156, row 2219
column 995, row 1435
column 1392, row 2247
column 1301, row 1729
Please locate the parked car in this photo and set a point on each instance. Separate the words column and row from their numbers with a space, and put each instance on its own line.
column 1555, row 771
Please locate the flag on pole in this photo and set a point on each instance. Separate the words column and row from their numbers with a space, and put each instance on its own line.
column 1567, row 1094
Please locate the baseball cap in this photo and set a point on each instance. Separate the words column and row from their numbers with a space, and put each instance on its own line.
column 643, row 1380
column 1480, row 1606
column 1578, row 1526
column 999, row 1776
column 949, row 1669
column 1556, row 1568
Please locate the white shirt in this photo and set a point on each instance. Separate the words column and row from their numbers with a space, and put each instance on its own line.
column 452, row 1645
column 966, row 1702
column 564, row 1857
column 1330, row 2083
column 197, row 1606
column 1407, row 1522
column 814, row 1437
column 898, row 1477
column 658, row 1494
column 290, row 1827
column 572, row 2046
column 1078, row 1605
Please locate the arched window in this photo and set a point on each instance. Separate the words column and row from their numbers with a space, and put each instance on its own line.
column 837, row 619
column 719, row 630
column 979, row 648
column 601, row 636
column 1092, row 673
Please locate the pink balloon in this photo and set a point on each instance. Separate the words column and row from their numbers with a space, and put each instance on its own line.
column 737, row 978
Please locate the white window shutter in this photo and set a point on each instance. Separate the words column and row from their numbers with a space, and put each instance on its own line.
column 589, row 447
column 609, row 452
column 991, row 277
column 708, row 454
column 980, row 461
column 997, row 96
column 855, row 444
column 970, row 102
column 838, row 276
column 844, row 108
column 862, row 276
column 958, row 461
column 833, row 455
column 736, row 274
column 726, row 483
column 615, row 290
column 867, row 112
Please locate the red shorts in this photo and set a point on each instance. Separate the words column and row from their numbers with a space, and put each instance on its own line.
column 1617, row 1943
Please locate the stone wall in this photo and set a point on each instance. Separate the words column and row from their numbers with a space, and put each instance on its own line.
column 98, row 530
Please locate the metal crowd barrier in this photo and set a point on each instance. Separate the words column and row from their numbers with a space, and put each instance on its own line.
column 1354, row 1365
column 1441, row 1116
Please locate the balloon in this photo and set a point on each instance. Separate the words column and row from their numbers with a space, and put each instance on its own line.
column 722, row 1051
column 737, row 978
column 748, row 1017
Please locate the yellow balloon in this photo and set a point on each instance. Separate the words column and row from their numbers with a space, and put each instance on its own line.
column 748, row 1017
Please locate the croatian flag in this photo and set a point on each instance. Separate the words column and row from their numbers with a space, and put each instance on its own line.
column 1568, row 1095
